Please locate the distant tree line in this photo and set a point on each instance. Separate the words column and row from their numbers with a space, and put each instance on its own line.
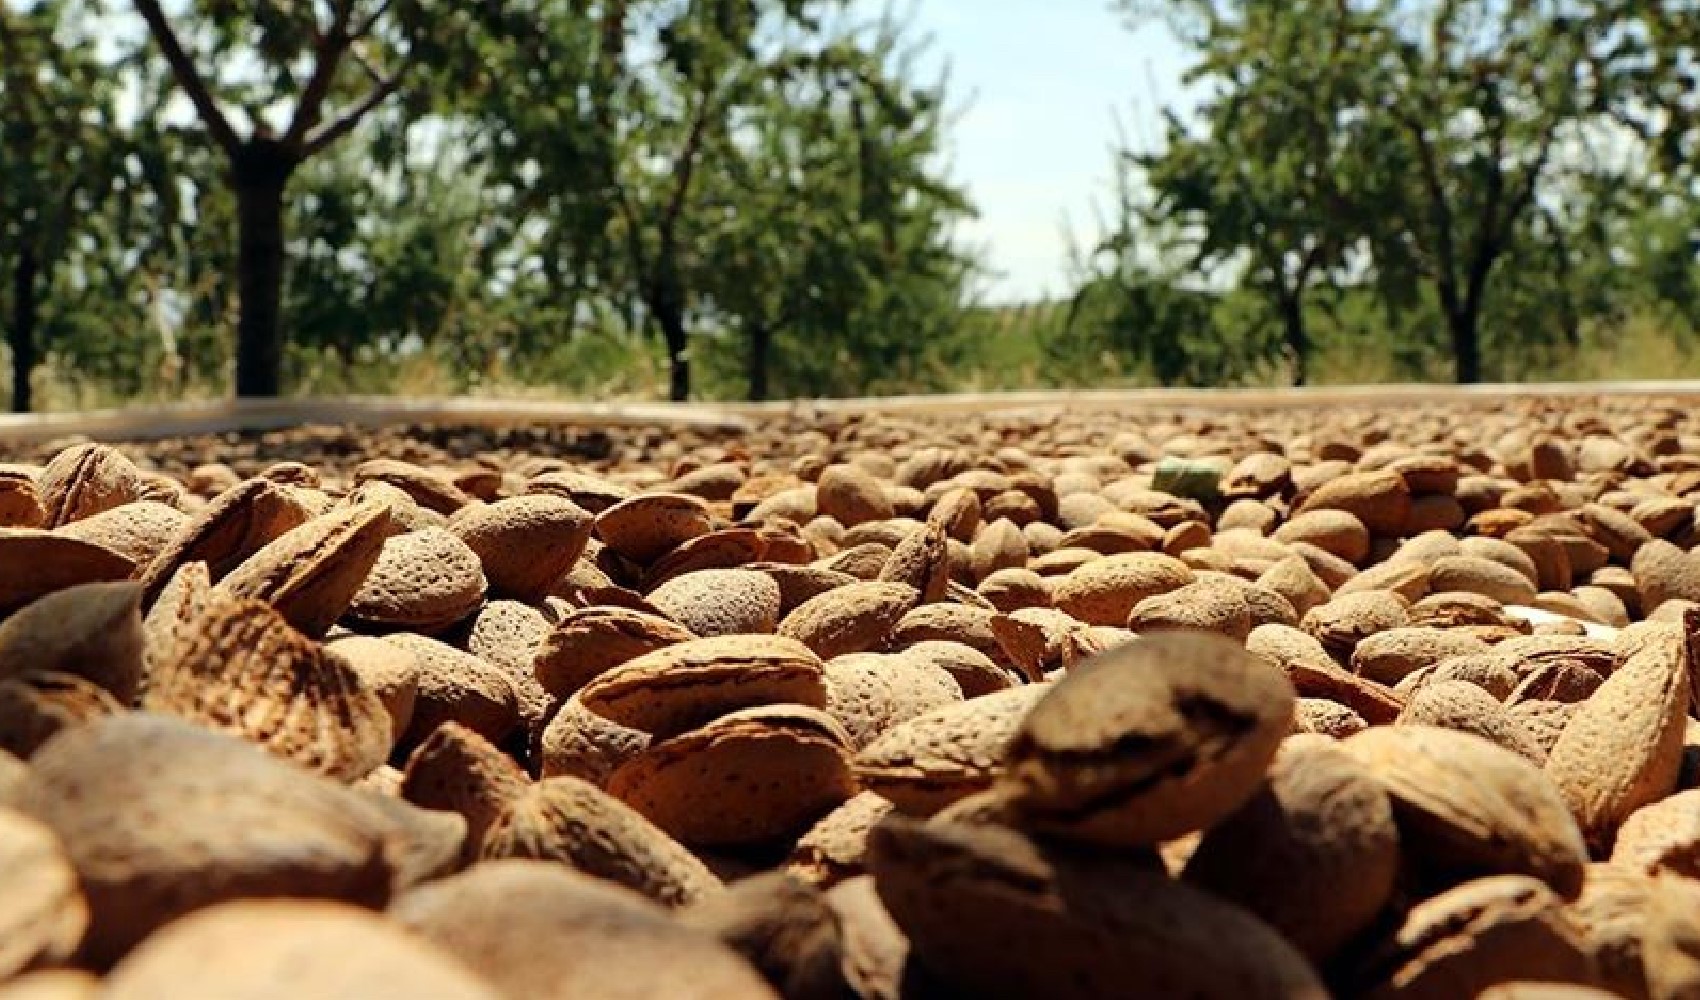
column 711, row 198
column 292, row 190
column 1462, row 186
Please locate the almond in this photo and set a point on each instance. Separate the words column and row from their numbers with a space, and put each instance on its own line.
column 681, row 686
column 749, row 777
column 524, row 544
column 1467, row 806
column 1622, row 748
column 1158, row 738
column 572, row 821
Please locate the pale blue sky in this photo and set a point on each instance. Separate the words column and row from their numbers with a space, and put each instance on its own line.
column 1041, row 85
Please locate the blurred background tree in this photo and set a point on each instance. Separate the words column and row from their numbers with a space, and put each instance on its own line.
column 754, row 199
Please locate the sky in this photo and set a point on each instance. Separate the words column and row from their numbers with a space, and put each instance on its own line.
column 1040, row 86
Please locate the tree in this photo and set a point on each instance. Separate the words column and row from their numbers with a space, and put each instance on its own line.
column 1429, row 129
column 60, row 154
column 353, row 54
column 1131, row 307
column 1267, row 181
column 1478, row 96
column 637, row 112
column 836, row 240
column 699, row 165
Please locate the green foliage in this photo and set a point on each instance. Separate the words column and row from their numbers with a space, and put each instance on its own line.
column 747, row 198
column 1458, row 161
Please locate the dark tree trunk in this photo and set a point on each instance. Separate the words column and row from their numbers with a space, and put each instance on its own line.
column 1296, row 336
column 259, row 173
column 21, row 336
column 1466, row 346
column 672, row 323
column 761, row 342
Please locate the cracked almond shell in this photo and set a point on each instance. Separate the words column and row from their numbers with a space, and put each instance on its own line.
column 233, row 526
column 84, row 480
column 1314, row 674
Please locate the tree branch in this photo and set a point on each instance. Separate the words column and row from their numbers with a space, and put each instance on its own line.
column 345, row 124
column 364, row 63
column 327, row 56
column 370, row 21
column 1440, row 212
column 188, row 77
column 684, row 170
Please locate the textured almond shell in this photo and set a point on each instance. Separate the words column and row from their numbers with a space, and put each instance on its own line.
column 1466, row 805
column 1623, row 746
column 572, row 821
column 312, row 572
column 680, row 686
column 242, row 670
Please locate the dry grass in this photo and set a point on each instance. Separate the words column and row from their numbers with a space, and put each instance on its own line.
column 610, row 368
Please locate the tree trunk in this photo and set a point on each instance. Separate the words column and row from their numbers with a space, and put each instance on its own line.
column 1466, row 346
column 1296, row 336
column 259, row 173
column 761, row 341
column 672, row 323
column 21, row 336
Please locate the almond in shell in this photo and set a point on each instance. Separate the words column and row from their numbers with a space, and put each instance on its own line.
column 572, row 821
column 242, row 670
column 310, row 574
column 997, row 915
column 1155, row 739
column 749, row 777
column 1622, row 748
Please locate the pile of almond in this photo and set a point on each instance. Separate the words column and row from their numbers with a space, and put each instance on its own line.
column 1053, row 704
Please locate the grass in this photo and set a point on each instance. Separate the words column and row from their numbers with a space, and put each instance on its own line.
column 1002, row 350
